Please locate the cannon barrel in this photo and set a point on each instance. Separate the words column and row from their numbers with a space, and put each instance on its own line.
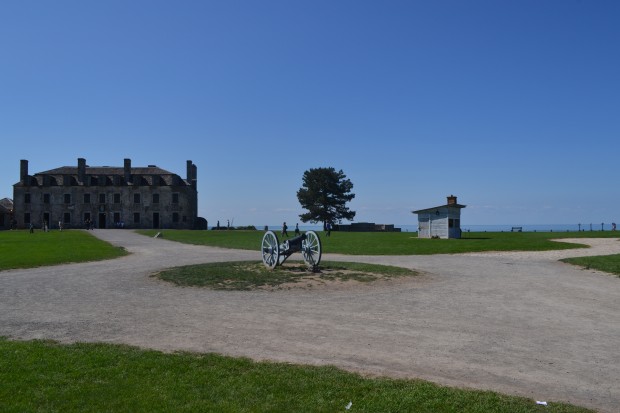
column 294, row 244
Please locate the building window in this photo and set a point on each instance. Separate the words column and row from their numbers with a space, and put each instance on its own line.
column 136, row 198
column 68, row 198
column 27, row 198
column 184, row 218
column 136, row 217
column 117, row 219
column 156, row 198
column 27, row 218
column 102, row 198
column 86, row 199
column 66, row 219
column 86, row 217
column 175, row 198
column 117, row 198
column 175, row 217
column 46, row 198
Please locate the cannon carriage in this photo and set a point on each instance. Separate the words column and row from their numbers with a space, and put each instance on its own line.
column 274, row 253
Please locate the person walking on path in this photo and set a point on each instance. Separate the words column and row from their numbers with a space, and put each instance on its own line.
column 284, row 229
column 297, row 229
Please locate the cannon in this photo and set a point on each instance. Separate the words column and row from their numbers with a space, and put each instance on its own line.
column 274, row 253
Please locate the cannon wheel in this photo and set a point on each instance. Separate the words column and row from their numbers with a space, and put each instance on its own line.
column 311, row 249
column 270, row 248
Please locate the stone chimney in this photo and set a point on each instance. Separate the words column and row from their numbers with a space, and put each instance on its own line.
column 23, row 170
column 127, row 170
column 190, row 171
column 81, row 170
column 451, row 200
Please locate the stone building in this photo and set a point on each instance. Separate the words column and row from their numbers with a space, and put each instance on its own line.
column 366, row 227
column 107, row 196
column 6, row 213
column 442, row 221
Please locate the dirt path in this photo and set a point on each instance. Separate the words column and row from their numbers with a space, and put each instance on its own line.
column 518, row 323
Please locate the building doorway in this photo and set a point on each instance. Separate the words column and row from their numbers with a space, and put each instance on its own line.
column 46, row 219
column 102, row 220
column 155, row 219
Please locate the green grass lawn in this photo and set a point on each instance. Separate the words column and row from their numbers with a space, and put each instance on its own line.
column 392, row 243
column 607, row 263
column 38, row 376
column 21, row 249
column 244, row 275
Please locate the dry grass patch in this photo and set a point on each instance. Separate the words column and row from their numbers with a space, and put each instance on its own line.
column 250, row 275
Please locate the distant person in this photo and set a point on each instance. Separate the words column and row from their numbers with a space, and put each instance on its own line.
column 284, row 229
column 31, row 228
column 297, row 229
column 328, row 229
column 60, row 225
column 613, row 226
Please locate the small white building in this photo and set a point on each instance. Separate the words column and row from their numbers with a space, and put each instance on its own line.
column 442, row 221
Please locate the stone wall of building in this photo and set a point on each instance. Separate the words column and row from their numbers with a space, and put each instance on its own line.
column 109, row 197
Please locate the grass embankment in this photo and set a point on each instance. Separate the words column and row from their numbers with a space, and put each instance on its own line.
column 244, row 275
column 393, row 243
column 42, row 376
column 21, row 249
column 606, row 263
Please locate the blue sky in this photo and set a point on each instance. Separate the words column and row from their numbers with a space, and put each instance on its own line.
column 513, row 106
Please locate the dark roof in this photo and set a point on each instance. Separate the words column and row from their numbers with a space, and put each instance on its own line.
column 142, row 175
column 6, row 205
column 107, row 170
column 440, row 206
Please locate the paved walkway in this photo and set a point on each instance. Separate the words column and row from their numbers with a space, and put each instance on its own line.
column 518, row 323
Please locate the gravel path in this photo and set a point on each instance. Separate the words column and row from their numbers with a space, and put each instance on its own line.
column 515, row 322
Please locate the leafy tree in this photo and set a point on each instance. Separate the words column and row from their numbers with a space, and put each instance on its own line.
column 324, row 194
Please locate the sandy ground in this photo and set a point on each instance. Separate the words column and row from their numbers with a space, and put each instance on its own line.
column 518, row 323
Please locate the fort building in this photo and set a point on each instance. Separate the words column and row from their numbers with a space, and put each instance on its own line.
column 106, row 196
column 6, row 213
